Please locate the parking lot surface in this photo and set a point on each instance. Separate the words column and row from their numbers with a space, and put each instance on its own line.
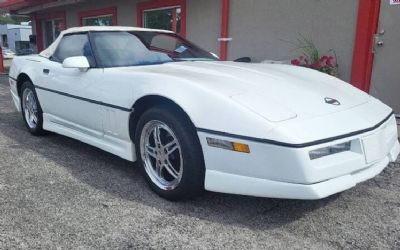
column 56, row 192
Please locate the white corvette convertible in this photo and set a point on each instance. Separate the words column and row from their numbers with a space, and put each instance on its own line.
column 194, row 122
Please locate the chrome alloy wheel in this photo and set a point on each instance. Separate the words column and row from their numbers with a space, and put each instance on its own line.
column 30, row 107
column 162, row 155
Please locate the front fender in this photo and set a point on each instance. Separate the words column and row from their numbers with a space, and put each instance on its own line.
column 206, row 109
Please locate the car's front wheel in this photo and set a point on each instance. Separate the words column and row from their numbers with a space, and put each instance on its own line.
column 31, row 110
column 170, row 153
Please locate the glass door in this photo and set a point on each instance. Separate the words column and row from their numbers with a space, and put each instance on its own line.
column 51, row 30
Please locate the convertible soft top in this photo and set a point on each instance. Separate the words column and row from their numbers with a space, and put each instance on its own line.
column 51, row 49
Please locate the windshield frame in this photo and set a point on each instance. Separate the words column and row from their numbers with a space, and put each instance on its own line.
column 95, row 51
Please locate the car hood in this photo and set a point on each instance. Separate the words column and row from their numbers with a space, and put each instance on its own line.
column 276, row 92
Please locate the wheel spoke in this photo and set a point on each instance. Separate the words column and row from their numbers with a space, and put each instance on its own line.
column 28, row 104
column 171, row 170
column 159, row 169
column 171, row 147
column 35, row 118
column 34, row 106
column 157, row 136
column 31, row 118
column 30, row 101
column 151, row 151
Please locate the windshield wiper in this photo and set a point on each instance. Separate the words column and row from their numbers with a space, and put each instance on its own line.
column 192, row 59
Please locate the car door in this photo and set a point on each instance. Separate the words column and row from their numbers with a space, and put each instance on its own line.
column 69, row 96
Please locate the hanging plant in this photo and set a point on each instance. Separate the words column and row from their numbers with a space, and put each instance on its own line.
column 312, row 58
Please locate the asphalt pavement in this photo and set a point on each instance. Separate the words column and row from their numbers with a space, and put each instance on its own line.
column 58, row 193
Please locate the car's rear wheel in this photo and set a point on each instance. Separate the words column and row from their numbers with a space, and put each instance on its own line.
column 31, row 110
column 170, row 153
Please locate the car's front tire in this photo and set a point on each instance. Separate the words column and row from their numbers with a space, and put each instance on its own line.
column 169, row 153
column 31, row 110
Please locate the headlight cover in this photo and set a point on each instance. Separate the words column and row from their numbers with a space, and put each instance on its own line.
column 335, row 149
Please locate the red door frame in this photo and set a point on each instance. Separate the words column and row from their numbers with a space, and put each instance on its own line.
column 363, row 57
column 157, row 4
column 223, row 54
column 13, row 5
column 1, row 60
column 99, row 12
column 39, row 17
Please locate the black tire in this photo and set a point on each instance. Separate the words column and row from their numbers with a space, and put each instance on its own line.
column 38, row 129
column 191, row 184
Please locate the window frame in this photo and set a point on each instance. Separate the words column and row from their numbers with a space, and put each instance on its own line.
column 92, row 65
column 4, row 40
column 95, row 51
column 162, row 4
column 109, row 11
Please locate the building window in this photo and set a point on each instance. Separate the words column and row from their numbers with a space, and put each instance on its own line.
column 163, row 14
column 99, row 17
column 98, row 21
column 165, row 19
column 4, row 41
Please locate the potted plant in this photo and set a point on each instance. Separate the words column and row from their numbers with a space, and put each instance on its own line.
column 312, row 58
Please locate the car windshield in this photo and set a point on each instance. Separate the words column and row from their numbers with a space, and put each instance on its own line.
column 118, row 49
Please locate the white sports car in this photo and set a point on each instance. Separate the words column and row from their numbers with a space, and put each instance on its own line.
column 194, row 122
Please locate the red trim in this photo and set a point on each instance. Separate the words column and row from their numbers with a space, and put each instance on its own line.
column 174, row 22
column 156, row 4
column 1, row 61
column 367, row 25
column 50, row 15
column 11, row 3
column 224, row 30
column 15, row 5
column 39, row 17
column 99, row 12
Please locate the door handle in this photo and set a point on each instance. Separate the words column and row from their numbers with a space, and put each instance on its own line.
column 46, row 71
column 378, row 43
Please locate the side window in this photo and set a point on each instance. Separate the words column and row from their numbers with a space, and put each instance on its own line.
column 74, row 45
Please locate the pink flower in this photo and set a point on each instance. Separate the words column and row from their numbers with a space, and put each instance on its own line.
column 323, row 58
column 295, row 62
column 316, row 66
column 329, row 61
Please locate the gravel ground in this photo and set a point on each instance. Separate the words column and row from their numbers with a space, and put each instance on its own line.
column 56, row 192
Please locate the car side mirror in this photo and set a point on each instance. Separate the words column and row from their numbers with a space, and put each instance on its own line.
column 215, row 55
column 77, row 62
column 243, row 59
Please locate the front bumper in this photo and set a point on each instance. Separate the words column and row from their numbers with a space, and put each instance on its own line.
column 282, row 172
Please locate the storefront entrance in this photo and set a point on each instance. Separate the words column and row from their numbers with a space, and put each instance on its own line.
column 51, row 30
column 385, row 84
column 48, row 28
